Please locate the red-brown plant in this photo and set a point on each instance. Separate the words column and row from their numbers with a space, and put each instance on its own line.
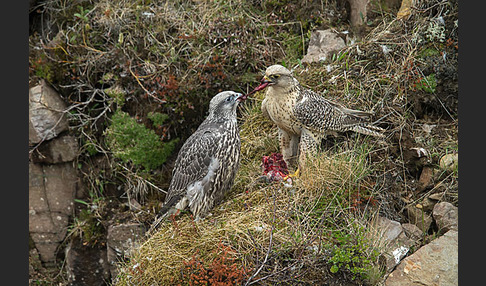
column 223, row 270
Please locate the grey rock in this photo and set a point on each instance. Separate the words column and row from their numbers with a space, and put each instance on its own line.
column 47, row 245
column 389, row 229
column 412, row 231
column 46, row 113
column 58, row 150
column 86, row 265
column 322, row 44
column 51, row 197
column 37, row 192
column 60, row 181
column 449, row 162
column 52, row 238
column 121, row 240
column 47, row 251
column 419, row 217
column 446, row 217
column 392, row 239
column 43, row 222
column 433, row 264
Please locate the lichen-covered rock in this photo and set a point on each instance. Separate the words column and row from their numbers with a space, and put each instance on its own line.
column 46, row 113
column 86, row 265
column 322, row 44
column 394, row 242
column 449, row 162
column 433, row 264
column 121, row 240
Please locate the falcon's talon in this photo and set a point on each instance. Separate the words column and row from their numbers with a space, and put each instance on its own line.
column 291, row 176
column 296, row 174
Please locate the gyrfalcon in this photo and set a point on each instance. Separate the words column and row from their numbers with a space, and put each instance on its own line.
column 207, row 163
column 304, row 117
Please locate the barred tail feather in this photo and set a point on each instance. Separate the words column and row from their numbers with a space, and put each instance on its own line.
column 168, row 209
column 369, row 130
column 155, row 225
column 357, row 113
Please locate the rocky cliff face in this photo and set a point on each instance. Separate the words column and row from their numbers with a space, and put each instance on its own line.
column 53, row 179
column 54, row 186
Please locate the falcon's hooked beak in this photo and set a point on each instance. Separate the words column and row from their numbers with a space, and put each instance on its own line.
column 240, row 97
column 263, row 83
column 266, row 81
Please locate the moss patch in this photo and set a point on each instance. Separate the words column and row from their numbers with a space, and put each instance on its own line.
column 131, row 141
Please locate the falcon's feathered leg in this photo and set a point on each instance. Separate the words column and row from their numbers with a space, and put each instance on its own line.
column 294, row 145
column 285, row 147
column 289, row 146
column 309, row 145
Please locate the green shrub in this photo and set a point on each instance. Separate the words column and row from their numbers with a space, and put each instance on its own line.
column 353, row 253
column 157, row 118
column 132, row 141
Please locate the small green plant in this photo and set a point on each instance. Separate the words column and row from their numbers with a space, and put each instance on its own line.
column 118, row 95
column 82, row 14
column 90, row 149
column 41, row 67
column 87, row 226
column 45, row 72
column 428, row 52
column 353, row 253
column 131, row 141
column 427, row 84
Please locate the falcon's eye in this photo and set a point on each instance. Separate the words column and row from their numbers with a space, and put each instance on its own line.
column 229, row 98
column 276, row 76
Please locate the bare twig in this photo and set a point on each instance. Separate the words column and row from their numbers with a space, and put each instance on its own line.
column 142, row 179
column 143, row 87
column 248, row 282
